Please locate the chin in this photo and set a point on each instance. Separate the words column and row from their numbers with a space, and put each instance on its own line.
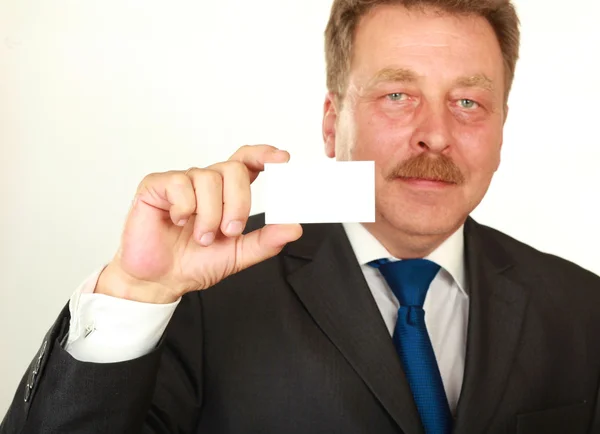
column 423, row 220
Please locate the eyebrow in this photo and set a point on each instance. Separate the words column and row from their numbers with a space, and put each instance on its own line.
column 405, row 75
column 477, row 80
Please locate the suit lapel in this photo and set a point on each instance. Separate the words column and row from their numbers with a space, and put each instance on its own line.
column 496, row 312
column 324, row 273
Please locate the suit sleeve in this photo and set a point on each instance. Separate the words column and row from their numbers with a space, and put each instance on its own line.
column 160, row 392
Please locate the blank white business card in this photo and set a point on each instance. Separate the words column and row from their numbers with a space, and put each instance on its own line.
column 320, row 192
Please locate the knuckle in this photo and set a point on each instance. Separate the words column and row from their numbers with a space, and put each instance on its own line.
column 235, row 167
column 190, row 171
column 179, row 179
column 239, row 153
column 148, row 182
column 204, row 177
column 244, row 149
column 149, row 178
column 211, row 178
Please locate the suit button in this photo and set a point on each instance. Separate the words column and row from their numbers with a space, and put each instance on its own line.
column 35, row 371
column 43, row 350
column 38, row 362
column 28, row 392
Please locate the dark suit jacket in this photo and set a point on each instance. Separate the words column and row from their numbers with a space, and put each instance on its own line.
column 296, row 345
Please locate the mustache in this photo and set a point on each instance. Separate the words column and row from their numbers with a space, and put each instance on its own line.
column 423, row 166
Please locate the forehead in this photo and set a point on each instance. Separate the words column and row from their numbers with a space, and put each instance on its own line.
column 434, row 44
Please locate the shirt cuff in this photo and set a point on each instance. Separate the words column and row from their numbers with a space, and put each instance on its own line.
column 105, row 329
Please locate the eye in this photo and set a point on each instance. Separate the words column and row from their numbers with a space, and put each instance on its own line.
column 397, row 96
column 467, row 103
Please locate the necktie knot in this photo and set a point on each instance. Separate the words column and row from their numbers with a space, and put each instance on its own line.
column 408, row 279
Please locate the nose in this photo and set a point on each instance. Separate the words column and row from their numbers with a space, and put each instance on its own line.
column 433, row 130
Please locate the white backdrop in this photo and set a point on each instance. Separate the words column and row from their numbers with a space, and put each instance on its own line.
column 95, row 94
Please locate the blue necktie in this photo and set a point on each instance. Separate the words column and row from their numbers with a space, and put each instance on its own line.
column 410, row 280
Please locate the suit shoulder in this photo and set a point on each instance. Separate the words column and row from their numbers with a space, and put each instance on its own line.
column 548, row 265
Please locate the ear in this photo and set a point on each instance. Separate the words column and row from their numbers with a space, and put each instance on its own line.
column 329, row 123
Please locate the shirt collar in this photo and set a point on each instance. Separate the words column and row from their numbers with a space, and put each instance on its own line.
column 449, row 255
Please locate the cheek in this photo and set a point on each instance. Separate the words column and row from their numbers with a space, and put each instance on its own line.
column 480, row 151
column 381, row 138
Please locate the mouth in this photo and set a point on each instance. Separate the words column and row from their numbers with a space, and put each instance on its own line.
column 425, row 182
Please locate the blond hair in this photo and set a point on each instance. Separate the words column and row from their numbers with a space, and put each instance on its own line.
column 345, row 15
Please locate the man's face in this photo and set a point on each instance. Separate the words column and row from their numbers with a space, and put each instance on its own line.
column 425, row 101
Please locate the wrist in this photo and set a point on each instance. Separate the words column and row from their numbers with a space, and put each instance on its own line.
column 114, row 282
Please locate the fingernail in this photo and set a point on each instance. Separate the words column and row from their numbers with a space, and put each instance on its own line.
column 207, row 239
column 182, row 222
column 235, row 227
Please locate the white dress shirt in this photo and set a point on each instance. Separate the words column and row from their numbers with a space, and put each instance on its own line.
column 105, row 329
column 446, row 304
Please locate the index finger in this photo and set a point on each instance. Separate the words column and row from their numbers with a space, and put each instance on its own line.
column 254, row 157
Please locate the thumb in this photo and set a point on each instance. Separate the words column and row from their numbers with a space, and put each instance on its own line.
column 265, row 243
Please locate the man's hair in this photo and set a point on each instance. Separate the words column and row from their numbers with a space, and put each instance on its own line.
column 346, row 14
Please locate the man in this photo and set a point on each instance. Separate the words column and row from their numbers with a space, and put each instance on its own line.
column 322, row 328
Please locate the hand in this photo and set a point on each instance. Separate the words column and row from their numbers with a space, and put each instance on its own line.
column 184, row 230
